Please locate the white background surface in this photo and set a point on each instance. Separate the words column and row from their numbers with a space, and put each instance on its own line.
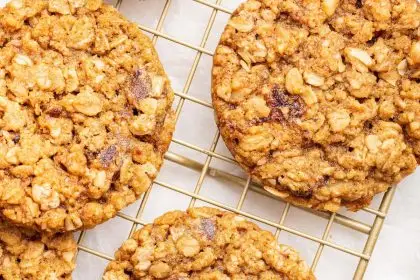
column 397, row 254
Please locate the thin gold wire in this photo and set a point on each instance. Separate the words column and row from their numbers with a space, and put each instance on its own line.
column 193, row 99
column 244, row 194
column 371, row 230
column 200, row 50
column 282, row 219
column 195, row 165
column 95, row 253
column 374, row 234
column 200, row 181
column 263, row 220
column 321, row 246
column 214, row 6
column 204, row 151
column 217, row 135
column 340, row 219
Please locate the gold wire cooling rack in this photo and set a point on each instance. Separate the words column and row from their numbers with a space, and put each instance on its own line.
column 369, row 230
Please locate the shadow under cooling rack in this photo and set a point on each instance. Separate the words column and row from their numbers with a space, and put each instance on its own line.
column 204, row 168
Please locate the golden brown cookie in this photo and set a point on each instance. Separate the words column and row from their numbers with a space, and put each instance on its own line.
column 320, row 100
column 26, row 254
column 85, row 113
column 205, row 243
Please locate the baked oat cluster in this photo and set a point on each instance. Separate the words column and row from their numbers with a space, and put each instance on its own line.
column 85, row 113
column 33, row 256
column 205, row 243
column 320, row 100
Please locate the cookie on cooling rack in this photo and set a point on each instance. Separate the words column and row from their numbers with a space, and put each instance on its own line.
column 205, row 243
column 26, row 254
column 85, row 113
column 320, row 100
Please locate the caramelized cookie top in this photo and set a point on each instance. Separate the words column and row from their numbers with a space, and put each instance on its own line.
column 205, row 243
column 85, row 113
column 320, row 100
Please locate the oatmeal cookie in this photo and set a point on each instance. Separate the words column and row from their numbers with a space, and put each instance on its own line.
column 320, row 100
column 205, row 243
column 26, row 254
column 85, row 113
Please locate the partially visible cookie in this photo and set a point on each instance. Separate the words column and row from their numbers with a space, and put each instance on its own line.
column 26, row 254
column 85, row 113
column 205, row 243
column 320, row 100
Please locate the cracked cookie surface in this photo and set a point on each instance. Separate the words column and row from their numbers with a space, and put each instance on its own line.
column 205, row 243
column 320, row 100
column 26, row 254
column 85, row 113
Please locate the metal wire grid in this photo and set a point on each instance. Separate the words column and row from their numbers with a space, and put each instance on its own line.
column 371, row 230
